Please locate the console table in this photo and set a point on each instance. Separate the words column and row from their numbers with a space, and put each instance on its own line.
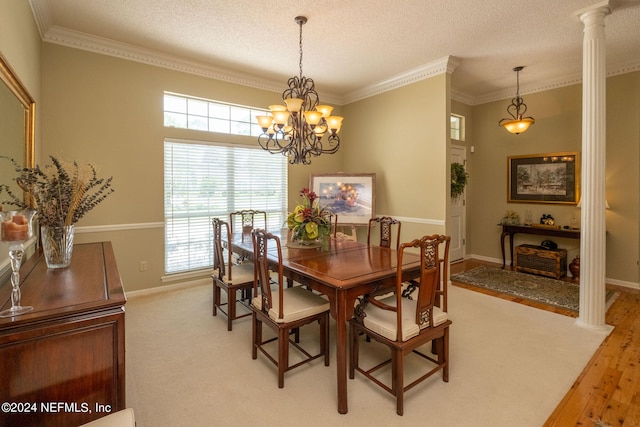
column 511, row 230
column 63, row 364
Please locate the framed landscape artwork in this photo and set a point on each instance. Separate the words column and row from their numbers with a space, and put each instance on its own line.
column 350, row 196
column 544, row 178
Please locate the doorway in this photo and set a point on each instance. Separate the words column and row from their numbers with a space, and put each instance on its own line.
column 457, row 213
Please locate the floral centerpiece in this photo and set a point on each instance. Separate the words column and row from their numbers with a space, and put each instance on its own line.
column 309, row 221
column 61, row 194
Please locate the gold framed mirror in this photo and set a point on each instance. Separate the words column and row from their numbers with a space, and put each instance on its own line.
column 17, row 123
column 17, row 136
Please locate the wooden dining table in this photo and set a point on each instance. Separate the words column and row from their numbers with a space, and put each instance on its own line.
column 342, row 270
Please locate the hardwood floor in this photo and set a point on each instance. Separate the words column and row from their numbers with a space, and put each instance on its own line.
column 607, row 392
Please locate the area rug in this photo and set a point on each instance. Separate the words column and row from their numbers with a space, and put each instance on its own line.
column 510, row 366
column 536, row 288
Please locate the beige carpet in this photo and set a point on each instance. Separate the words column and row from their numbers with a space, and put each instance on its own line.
column 510, row 365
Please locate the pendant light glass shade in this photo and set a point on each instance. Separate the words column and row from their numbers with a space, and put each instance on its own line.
column 517, row 124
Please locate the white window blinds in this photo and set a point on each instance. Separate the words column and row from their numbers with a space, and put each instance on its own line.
column 203, row 181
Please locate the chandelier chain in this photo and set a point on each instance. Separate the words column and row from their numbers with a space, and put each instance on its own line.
column 300, row 64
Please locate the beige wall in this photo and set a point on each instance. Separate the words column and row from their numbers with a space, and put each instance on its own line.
column 109, row 111
column 20, row 43
column 558, row 115
column 401, row 136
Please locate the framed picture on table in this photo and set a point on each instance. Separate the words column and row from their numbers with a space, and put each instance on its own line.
column 350, row 196
column 544, row 178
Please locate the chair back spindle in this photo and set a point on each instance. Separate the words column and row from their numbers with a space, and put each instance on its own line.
column 219, row 264
column 245, row 220
column 385, row 224
column 262, row 283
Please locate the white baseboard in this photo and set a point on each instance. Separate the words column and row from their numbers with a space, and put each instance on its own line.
column 166, row 288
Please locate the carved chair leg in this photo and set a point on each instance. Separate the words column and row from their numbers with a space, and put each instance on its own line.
column 256, row 335
column 231, row 308
column 397, row 373
column 216, row 298
column 353, row 350
column 445, row 356
column 283, row 355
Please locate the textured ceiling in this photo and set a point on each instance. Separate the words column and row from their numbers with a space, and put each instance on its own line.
column 351, row 45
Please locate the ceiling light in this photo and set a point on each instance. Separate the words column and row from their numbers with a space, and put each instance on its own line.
column 517, row 124
column 296, row 129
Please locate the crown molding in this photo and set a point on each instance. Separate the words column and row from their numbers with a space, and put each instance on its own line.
column 443, row 65
column 129, row 52
column 42, row 15
column 462, row 97
column 448, row 64
column 569, row 80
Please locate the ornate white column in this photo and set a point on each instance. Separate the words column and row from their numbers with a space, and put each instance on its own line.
column 593, row 228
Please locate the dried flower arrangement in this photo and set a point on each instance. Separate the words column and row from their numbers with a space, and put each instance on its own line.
column 60, row 193
column 512, row 214
column 511, row 218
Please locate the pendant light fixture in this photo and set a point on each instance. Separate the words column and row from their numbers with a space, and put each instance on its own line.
column 296, row 129
column 517, row 124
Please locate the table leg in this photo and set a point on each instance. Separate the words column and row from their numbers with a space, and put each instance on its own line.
column 341, row 353
column 511, row 248
column 504, row 262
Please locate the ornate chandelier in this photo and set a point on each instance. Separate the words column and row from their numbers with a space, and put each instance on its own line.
column 517, row 124
column 296, row 129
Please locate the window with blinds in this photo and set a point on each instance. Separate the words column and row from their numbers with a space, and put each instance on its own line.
column 203, row 181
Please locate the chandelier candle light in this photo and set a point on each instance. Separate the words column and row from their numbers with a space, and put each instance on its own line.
column 517, row 124
column 296, row 129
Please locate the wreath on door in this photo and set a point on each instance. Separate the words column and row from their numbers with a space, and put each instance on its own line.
column 459, row 179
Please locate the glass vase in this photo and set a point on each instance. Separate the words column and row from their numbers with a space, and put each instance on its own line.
column 57, row 245
column 16, row 230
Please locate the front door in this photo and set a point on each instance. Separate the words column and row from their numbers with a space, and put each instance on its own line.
column 457, row 216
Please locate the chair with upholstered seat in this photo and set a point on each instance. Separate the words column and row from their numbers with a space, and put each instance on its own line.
column 284, row 310
column 385, row 224
column 229, row 276
column 405, row 325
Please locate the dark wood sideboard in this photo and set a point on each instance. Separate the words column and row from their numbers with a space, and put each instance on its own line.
column 63, row 364
column 511, row 230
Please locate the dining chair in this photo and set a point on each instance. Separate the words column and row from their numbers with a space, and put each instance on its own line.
column 229, row 276
column 245, row 220
column 332, row 220
column 404, row 325
column 385, row 224
column 284, row 310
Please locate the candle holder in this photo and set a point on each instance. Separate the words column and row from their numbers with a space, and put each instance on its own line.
column 16, row 229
